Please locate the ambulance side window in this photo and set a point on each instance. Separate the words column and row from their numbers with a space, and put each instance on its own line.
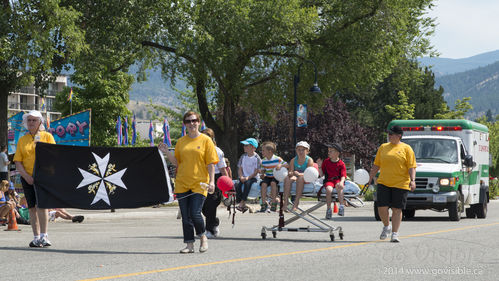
column 463, row 152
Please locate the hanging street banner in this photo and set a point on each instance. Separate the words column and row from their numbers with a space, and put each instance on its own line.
column 100, row 178
column 72, row 129
column 15, row 131
column 301, row 115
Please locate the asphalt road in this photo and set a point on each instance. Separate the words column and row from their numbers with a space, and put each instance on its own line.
column 143, row 244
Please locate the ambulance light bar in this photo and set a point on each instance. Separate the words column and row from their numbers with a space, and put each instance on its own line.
column 446, row 128
column 434, row 128
column 413, row 128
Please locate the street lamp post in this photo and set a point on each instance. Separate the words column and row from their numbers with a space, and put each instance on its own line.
column 314, row 89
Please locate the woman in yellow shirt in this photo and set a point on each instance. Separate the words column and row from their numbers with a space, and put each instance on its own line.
column 397, row 165
column 25, row 161
column 195, row 157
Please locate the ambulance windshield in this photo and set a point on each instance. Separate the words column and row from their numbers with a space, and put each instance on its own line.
column 434, row 150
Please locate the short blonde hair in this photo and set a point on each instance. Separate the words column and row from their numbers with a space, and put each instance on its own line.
column 269, row 145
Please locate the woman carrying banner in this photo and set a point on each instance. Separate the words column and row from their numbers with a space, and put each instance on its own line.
column 195, row 157
column 25, row 161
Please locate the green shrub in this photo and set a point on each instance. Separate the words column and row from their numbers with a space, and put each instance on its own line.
column 494, row 188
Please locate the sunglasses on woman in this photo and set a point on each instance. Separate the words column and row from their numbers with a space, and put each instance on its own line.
column 191, row 121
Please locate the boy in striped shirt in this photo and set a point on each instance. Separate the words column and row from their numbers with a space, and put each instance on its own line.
column 269, row 162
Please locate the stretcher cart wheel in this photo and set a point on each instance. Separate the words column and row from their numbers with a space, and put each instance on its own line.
column 274, row 234
column 332, row 237
column 341, row 235
column 264, row 235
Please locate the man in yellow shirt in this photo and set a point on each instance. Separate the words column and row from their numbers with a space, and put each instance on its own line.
column 397, row 165
column 25, row 162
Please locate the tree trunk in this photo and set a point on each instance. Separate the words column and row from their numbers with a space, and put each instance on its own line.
column 229, row 140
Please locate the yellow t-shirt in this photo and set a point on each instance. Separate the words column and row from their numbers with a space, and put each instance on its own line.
column 193, row 155
column 394, row 161
column 25, row 152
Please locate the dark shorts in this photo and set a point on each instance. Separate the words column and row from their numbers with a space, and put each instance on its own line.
column 29, row 193
column 268, row 181
column 391, row 197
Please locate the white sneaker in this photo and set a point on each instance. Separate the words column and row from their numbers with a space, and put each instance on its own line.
column 341, row 211
column 395, row 237
column 45, row 242
column 385, row 232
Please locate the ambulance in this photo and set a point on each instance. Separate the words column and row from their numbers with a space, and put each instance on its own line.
column 452, row 171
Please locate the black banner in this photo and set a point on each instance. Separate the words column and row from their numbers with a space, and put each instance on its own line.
column 100, row 177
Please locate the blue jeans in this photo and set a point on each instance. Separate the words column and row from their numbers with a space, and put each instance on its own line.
column 242, row 193
column 191, row 205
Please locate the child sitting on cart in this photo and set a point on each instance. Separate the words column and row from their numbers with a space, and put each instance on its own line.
column 269, row 162
column 335, row 172
column 297, row 167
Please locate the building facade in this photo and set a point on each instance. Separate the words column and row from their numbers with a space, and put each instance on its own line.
column 27, row 99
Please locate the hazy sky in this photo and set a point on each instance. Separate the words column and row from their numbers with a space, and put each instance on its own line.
column 465, row 27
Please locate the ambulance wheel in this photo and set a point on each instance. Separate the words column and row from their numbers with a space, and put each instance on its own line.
column 454, row 211
column 480, row 210
column 470, row 213
column 376, row 214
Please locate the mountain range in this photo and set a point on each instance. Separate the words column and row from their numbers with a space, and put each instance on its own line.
column 476, row 77
column 447, row 66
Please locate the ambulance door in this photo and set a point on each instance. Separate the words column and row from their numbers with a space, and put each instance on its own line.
column 465, row 173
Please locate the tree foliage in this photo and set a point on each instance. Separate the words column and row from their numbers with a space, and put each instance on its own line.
column 403, row 110
column 241, row 55
column 249, row 50
column 460, row 109
column 37, row 39
column 107, row 95
column 417, row 84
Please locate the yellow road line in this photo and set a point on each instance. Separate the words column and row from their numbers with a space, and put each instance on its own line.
column 281, row 254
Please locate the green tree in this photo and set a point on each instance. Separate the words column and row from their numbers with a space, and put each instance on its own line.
column 107, row 95
column 489, row 116
column 37, row 38
column 242, row 54
column 460, row 109
column 418, row 85
column 248, row 50
column 403, row 110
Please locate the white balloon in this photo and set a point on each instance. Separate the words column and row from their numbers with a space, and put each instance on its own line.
column 310, row 174
column 361, row 176
column 280, row 174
